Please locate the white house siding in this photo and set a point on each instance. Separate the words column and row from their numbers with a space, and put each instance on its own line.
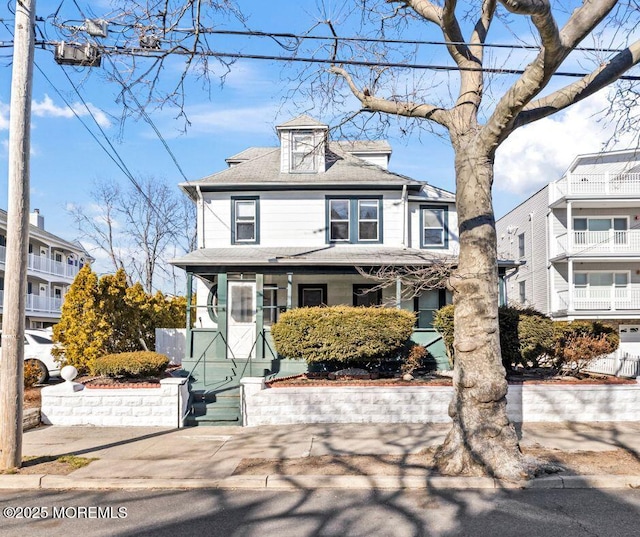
column 529, row 218
column 414, row 231
column 304, row 212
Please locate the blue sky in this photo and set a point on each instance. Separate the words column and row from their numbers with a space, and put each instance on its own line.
column 66, row 160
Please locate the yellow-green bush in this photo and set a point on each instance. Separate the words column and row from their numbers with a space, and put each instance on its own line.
column 138, row 364
column 342, row 334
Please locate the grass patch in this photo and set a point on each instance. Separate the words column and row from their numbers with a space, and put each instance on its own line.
column 47, row 464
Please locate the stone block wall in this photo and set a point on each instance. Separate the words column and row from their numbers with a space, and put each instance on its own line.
column 429, row 404
column 71, row 403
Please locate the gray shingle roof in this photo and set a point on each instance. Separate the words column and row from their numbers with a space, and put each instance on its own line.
column 320, row 256
column 263, row 169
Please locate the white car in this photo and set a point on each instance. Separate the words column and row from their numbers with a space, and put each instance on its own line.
column 37, row 349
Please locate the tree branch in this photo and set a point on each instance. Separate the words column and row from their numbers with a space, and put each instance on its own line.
column 556, row 46
column 581, row 89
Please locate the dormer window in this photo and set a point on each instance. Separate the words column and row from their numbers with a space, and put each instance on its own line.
column 303, row 153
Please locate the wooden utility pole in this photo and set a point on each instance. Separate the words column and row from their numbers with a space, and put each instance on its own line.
column 13, row 318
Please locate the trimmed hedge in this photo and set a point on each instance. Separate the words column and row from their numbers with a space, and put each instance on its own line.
column 138, row 364
column 345, row 334
column 528, row 337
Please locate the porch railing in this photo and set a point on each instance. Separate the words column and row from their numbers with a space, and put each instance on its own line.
column 596, row 184
column 40, row 263
column 606, row 298
column 39, row 303
column 588, row 242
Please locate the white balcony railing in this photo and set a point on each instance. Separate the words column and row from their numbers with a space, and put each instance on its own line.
column 601, row 184
column 597, row 298
column 39, row 303
column 40, row 263
column 593, row 242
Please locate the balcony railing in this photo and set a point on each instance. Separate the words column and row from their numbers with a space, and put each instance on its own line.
column 39, row 303
column 601, row 184
column 588, row 242
column 40, row 263
column 599, row 299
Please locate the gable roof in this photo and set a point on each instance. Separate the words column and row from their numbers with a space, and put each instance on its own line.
column 302, row 121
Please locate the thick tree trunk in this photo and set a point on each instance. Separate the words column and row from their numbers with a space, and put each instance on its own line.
column 482, row 440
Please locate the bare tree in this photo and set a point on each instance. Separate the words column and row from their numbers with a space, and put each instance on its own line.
column 139, row 228
column 482, row 440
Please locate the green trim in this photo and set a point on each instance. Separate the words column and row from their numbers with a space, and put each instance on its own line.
column 354, row 219
column 445, row 230
column 221, row 346
column 256, row 200
column 189, row 345
column 259, row 316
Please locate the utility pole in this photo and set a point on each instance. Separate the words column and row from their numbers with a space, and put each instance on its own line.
column 13, row 319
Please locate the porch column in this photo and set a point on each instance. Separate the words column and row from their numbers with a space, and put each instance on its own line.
column 289, row 290
column 221, row 341
column 189, row 341
column 259, row 317
column 569, row 228
column 398, row 292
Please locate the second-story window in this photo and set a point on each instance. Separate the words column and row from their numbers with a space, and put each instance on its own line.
column 244, row 216
column 339, row 229
column 354, row 220
column 434, row 226
column 521, row 245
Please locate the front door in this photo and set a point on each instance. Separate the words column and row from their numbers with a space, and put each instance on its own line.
column 241, row 320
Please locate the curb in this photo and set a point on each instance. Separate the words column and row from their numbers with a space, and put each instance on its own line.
column 307, row 482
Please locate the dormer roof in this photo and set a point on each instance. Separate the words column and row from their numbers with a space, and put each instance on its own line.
column 303, row 122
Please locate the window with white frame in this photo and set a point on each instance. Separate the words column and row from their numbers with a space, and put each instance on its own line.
column 245, row 220
column 585, row 280
column 368, row 219
column 588, row 230
column 303, row 153
column 354, row 219
column 522, row 292
column 339, row 229
column 521, row 245
column 433, row 223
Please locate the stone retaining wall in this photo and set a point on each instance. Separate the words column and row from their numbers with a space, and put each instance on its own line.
column 70, row 403
column 429, row 404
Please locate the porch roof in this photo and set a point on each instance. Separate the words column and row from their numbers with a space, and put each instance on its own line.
column 326, row 257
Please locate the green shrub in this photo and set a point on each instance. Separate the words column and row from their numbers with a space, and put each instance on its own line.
column 535, row 332
column 343, row 334
column 525, row 334
column 443, row 323
column 138, row 364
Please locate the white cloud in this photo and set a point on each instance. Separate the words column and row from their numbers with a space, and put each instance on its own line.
column 4, row 116
column 542, row 151
column 47, row 108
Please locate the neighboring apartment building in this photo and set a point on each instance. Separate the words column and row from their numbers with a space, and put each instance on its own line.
column 579, row 239
column 287, row 226
column 51, row 267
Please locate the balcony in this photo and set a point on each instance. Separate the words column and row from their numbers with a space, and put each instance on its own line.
column 594, row 185
column 585, row 243
column 600, row 299
column 39, row 304
column 45, row 265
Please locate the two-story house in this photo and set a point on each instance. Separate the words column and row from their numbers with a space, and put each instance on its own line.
column 579, row 239
column 288, row 226
column 52, row 265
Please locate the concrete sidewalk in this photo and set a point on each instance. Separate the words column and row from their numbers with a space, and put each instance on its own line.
column 206, row 457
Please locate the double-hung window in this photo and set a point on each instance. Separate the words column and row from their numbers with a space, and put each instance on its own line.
column 303, row 153
column 244, row 216
column 354, row 220
column 434, row 226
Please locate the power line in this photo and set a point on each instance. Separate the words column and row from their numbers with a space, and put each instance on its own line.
column 159, row 53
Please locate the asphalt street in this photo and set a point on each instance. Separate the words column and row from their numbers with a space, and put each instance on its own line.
column 302, row 513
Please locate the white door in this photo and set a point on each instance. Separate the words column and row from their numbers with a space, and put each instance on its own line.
column 241, row 319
